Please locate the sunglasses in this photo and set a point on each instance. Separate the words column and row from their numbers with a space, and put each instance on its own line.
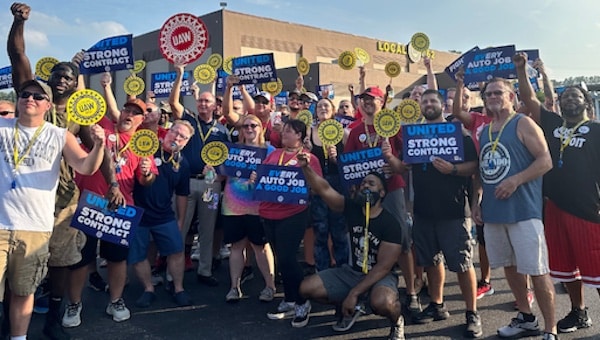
column 132, row 111
column 261, row 101
column 4, row 113
column 497, row 93
column 245, row 126
column 149, row 110
column 36, row 96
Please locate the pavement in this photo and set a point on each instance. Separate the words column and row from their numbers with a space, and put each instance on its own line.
column 211, row 318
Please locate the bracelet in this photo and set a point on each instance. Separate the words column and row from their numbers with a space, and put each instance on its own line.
column 454, row 170
column 114, row 184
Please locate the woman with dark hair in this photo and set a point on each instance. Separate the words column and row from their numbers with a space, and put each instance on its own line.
column 285, row 224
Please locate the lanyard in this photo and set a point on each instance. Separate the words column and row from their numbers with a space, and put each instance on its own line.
column 565, row 142
column 118, row 152
column 290, row 160
column 365, row 267
column 171, row 159
column 374, row 144
column 497, row 140
column 202, row 136
column 18, row 159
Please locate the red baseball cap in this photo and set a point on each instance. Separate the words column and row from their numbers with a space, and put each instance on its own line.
column 373, row 91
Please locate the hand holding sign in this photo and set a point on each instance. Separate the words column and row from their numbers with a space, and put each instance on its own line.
column 387, row 123
column 183, row 38
column 520, row 59
column 144, row 143
column 442, row 166
column 303, row 159
column 98, row 136
column 86, row 107
column 145, row 166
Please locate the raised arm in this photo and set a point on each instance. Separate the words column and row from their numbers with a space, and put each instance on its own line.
column 538, row 64
column 232, row 117
column 335, row 201
column 457, row 105
column 526, row 92
column 362, row 82
column 247, row 100
column 112, row 109
column 431, row 79
column 176, row 107
column 15, row 45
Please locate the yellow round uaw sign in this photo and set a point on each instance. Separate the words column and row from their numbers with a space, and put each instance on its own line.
column 86, row 107
column 144, row 143
column 43, row 68
column 347, row 60
column 204, row 74
column 362, row 55
column 228, row 65
column 306, row 117
column 214, row 153
column 134, row 86
column 392, row 69
column 215, row 60
column 420, row 42
column 330, row 132
column 303, row 66
column 386, row 123
column 409, row 111
column 138, row 66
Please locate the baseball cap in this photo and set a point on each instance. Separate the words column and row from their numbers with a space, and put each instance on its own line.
column 296, row 92
column 373, row 92
column 137, row 102
column 39, row 84
column 263, row 94
column 164, row 106
column 313, row 97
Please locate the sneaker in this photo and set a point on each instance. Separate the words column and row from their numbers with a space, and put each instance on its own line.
column 577, row 318
column 530, row 299
column 156, row 278
column 473, row 329
column 412, row 305
column 549, row 336
column 225, row 251
column 145, row 300
column 284, row 310
column 234, row 295
column 41, row 303
column 247, row 274
column 518, row 327
column 97, row 283
column 344, row 323
column 302, row 314
column 182, row 299
column 484, row 289
column 72, row 316
column 195, row 255
column 397, row 330
column 267, row 294
column 433, row 312
column 118, row 310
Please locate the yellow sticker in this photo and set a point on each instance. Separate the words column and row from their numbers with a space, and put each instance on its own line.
column 204, row 74
column 303, row 66
column 215, row 61
column 392, row 69
column 144, row 143
column 43, row 68
column 386, row 123
column 306, row 117
column 409, row 111
column 86, row 107
column 228, row 65
column 214, row 153
column 134, row 86
column 347, row 60
column 138, row 66
column 420, row 42
column 362, row 55
column 331, row 132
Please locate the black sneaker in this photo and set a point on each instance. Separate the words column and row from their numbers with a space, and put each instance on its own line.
column 473, row 329
column 397, row 330
column 433, row 312
column 302, row 314
column 577, row 318
column 97, row 283
column 247, row 274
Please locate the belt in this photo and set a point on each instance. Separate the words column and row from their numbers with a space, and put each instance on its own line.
column 198, row 176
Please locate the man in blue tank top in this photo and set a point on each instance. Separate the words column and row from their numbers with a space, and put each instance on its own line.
column 513, row 158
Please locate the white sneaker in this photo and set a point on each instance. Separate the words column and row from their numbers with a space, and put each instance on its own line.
column 72, row 316
column 284, row 310
column 267, row 294
column 225, row 251
column 518, row 328
column 118, row 310
column 195, row 255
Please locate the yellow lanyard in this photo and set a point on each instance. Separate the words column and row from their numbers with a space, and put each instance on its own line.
column 290, row 160
column 565, row 142
column 118, row 152
column 365, row 267
column 18, row 159
column 497, row 140
column 171, row 159
column 202, row 136
column 374, row 144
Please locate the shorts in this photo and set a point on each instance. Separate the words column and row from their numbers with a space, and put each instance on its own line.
column 520, row 244
column 236, row 228
column 450, row 237
column 339, row 281
column 166, row 236
column 26, row 260
column 394, row 202
column 66, row 242
column 110, row 251
column 573, row 246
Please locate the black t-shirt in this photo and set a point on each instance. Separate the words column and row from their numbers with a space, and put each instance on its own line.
column 329, row 167
column 573, row 186
column 381, row 228
column 438, row 195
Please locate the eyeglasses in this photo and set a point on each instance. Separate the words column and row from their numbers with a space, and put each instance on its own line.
column 36, row 96
column 294, row 98
column 132, row 111
column 4, row 113
column 496, row 93
column 150, row 110
column 253, row 126
column 308, row 101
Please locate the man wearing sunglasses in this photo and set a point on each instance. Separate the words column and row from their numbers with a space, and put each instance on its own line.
column 66, row 242
column 32, row 151
column 7, row 109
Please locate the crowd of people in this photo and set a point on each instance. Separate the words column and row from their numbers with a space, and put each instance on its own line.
column 522, row 182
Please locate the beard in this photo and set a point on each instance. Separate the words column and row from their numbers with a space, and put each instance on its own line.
column 574, row 111
column 432, row 113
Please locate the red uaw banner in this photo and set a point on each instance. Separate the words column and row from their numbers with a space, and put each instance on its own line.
column 183, row 38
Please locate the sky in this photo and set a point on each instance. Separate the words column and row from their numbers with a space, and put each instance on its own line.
column 566, row 32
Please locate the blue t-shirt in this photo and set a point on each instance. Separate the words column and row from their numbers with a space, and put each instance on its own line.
column 212, row 131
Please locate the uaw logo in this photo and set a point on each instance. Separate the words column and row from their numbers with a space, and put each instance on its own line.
column 494, row 166
column 566, row 134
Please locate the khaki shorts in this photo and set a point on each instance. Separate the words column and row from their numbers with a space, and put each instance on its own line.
column 23, row 259
column 66, row 242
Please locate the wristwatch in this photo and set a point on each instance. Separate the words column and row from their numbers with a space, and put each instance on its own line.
column 454, row 170
column 114, row 184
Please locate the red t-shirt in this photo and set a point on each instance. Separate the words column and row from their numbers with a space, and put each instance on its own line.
column 279, row 211
column 357, row 140
column 478, row 121
column 130, row 168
